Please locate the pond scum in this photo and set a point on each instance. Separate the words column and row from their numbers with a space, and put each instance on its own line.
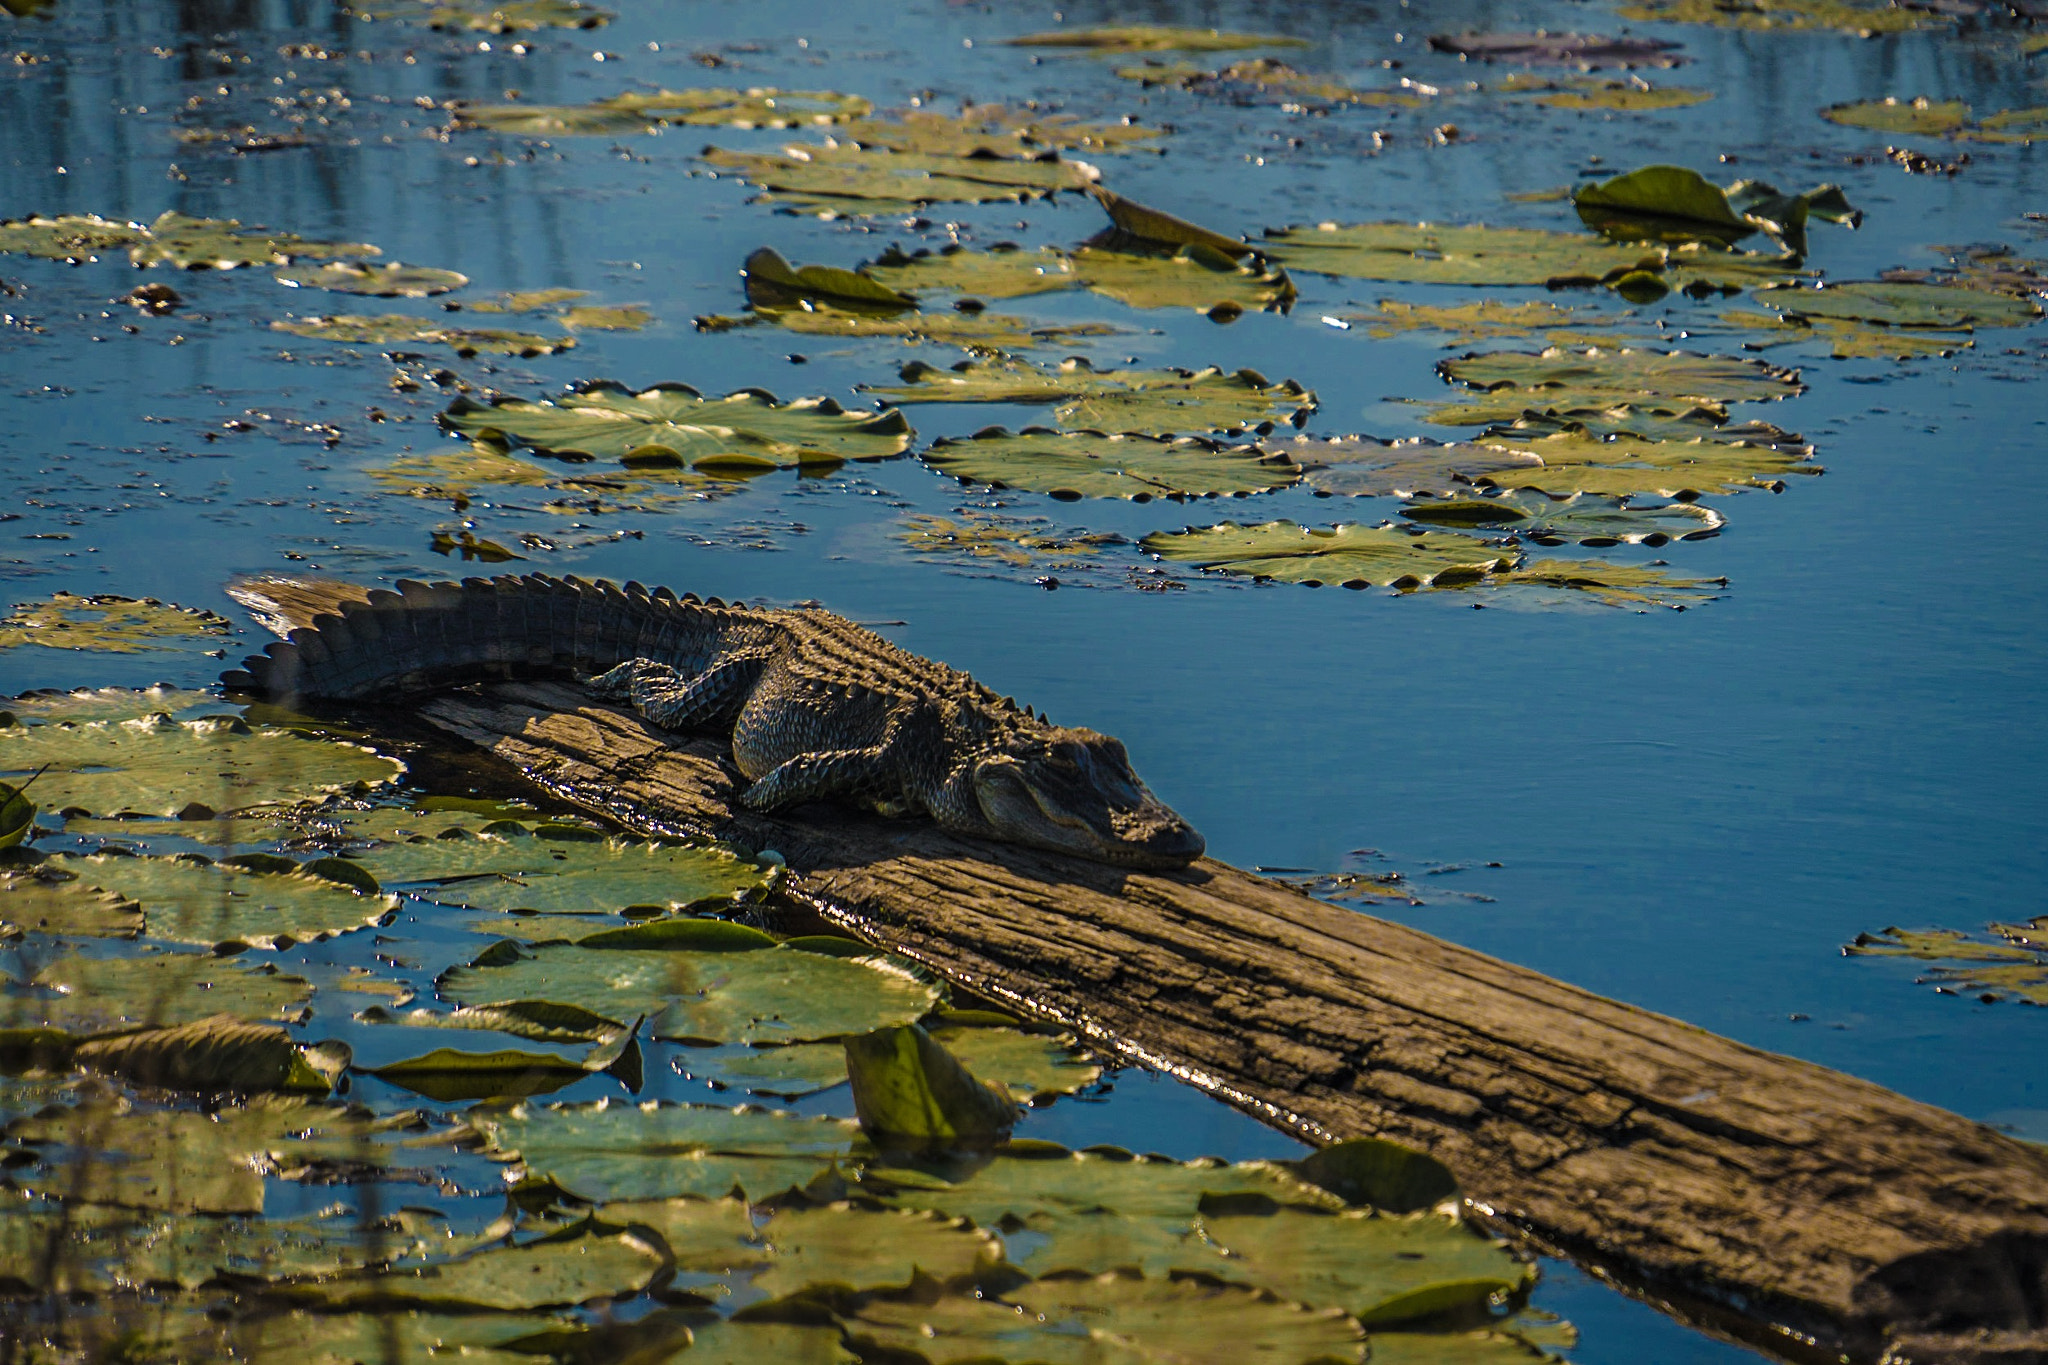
column 193, row 1171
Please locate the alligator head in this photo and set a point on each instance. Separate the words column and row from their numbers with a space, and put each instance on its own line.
column 1073, row 791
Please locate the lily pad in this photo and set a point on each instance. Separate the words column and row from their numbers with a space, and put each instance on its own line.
column 1080, row 464
column 95, row 995
column 1383, row 1270
column 158, row 766
column 2024, row 126
column 1207, row 280
column 750, row 1343
column 107, row 624
column 1903, row 304
column 647, row 110
column 577, row 1267
column 216, row 1055
column 189, row 900
column 1921, row 116
column 607, row 317
column 1348, row 554
column 1589, row 52
column 1004, row 271
column 393, row 329
column 608, row 1151
column 702, row 1236
column 971, row 331
column 1425, row 253
column 510, row 867
column 1583, row 93
column 532, row 1019
column 219, row 244
column 1361, row 466
column 487, row 16
column 674, row 424
column 764, row 995
column 2014, row 963
column 846, row 179
column 984, row 130
column 1020, row 543
column 1675, row 204
column 908, row 1090
column 451, row 1074
column 845, row 1247
column 1615, row 585
column 1575, row 458
column 1864, row 19
column 391, row 281
column 1153, row 401
column 72, row 237
column 1264, row 80
column 1581, row 518
column 1152, row 38
column 391, row 1337
column 17, row 815
column 774, row 282
column 526, row 301
column 1666, row 381
column 463, row 473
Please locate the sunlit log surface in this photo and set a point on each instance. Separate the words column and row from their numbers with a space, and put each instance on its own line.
column 1806, row 1211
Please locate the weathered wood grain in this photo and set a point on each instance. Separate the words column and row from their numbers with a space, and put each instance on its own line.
column 1835, row 1218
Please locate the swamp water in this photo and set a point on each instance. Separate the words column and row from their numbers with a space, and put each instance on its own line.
column 1690, row 810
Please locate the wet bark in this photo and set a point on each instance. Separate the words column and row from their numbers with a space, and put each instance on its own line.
column 1804, row 1210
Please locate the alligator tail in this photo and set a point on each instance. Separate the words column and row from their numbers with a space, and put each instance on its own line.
column 344, row 642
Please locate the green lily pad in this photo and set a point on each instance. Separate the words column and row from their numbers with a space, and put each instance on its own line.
column 702, row 1236
column 1862, row 19
column 581, row 1266
column 774, row 282
column 1426, row 253
column 1348, row 554
column 1581, row 518
column 159, row 766
column 95, row 995
column 1612, row 584
column 1152, row 38
column 525, row 301
column 173, row 1160
column 395, row 329
column 1384, row 1270
column 214, row 1055
column 1454, row 1348
column 608, row 1151
column 465, row 471
column 1903, row 304
column 218, row 244
column 1669, row 381
column 2024, row 126
column 1574, row 459
column 750, row 1343
column 188, row 900
column 1361, row 466
column 845, row 179
column 1921, row 116
column 531, row 1019
column 647, row 110
column 486, row 16
column 391, row 281
column 107, row 624
column 764, row 995
column 1185, row 1320
column 1380, row 1174
column 1264, row 80
column 607, row 317
column 2013, row 964
column 869, row 1250
column 907, row 1089
column 72, row 237
column 1674, row 204
column 1003, row 271
column 979, row 539
column 1480, row 321
column 986, row 130
column 117, row 703
column 17, row 817
column 1204, row 279
column 674, row 424
column 970, row 331
column 1031, row 1066
column 392, row 1337
column 1080, row 464
column 1632, row 96
column 1153, row 401
column 510, row 867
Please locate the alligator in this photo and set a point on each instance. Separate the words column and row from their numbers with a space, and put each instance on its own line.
column 816, row 707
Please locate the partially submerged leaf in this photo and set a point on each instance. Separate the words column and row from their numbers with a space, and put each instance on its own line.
column 992, row 130
column 1903, row 304
column 450, row 1074
column 1426, row 253
column 381, row 281
column 1361, row 466
column 219, row 244
column 17, row 817
column 2013, row 963
column 1208, row 280
column 391, row 329
column 189, row 900
column 1663, row 381
column 1152, row 38
column 74, row 237
column 1349, row 555
column 673, row 424
column 845, row 179
column 841, row 1247
column 1591, row 454
column 1143, row 223
column 1481, row 321
column 1151, row 401
column 108, row 624
column 1865, row 18
column 774, row 282
column 1078, row 464
column 1588, row 52
column 1383, row 1175
column 1674, row 204
column 1580, row 518
column 577, row 1267
column 213, row 1055
column 647, row 110
column 1891, row 115
column 486, row 16
column 1634, row 95
column 462, row 473
column 1383, row 1270
column 95, row 995
column 908, row 1089
column 1266, row 80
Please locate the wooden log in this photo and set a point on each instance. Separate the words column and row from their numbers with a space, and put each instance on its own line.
column 1803, row 1210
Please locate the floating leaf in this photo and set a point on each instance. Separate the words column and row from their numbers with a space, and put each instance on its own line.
column 1617, row 585
column 532, row 1019
column 1674, row 204
column 1380, row 1174
column 188, row 900
column 2014, row 965
column 1575, row 458
column 1849, row 340
column 674, row 424
column 73, row 237
column 750, row 1343
column 1081, row 464
column 107, row 624
column 464, row 472
column 526, row 301
column 1667, row 381
column 1384, row 1270
column 1903, row 304
column 17, row 817
column 1863, row 19
column 1484, row 320
column 763, row 995
column 1582, row 518
column 857, row 180
column 1159, row 401
column 658, row 1151
column 607, row 317
column 1360, row 466
column 648, row 110
column 1032, row 1066
column 158, row 766
column 844, row 1247
column 2024, row 126
column 218, row 244
column 217, row 1054
column 1018, row 542
column 1633, row 96
column 1153, row 38
column 1004, row 271
column 1889, row 115
column 1348, row 554
column 391, row 281
column 1589, row 52
column 486, row 16
column 94, row 995
column 580, row 1266
column 1425, row 253
column 1190, row 277
column 773, row 282
column 391, row 1337
column 983, row 130
column 908, row 1089
column 973, row 331
column 1265, row 80
column 449, row 1075
column 392, row 329
column 702, row 1236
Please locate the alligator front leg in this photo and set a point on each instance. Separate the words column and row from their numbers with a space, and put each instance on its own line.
column 861, row 775
column 709, row 701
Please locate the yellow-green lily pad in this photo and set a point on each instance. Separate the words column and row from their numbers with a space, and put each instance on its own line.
column 486, row 16
column 108, row 624
column 392, row 281
column 189, row 900
column 95, row 995
column 1151, row 401
column 393, row 329
column 1092, row 464
column 847, row 179
column 647, row 110
column 1920, row 116
column 1152, row 38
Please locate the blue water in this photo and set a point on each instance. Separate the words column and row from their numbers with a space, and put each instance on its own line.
column 1690, row 811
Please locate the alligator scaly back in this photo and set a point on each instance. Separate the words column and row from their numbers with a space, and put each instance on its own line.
column 816, row 707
